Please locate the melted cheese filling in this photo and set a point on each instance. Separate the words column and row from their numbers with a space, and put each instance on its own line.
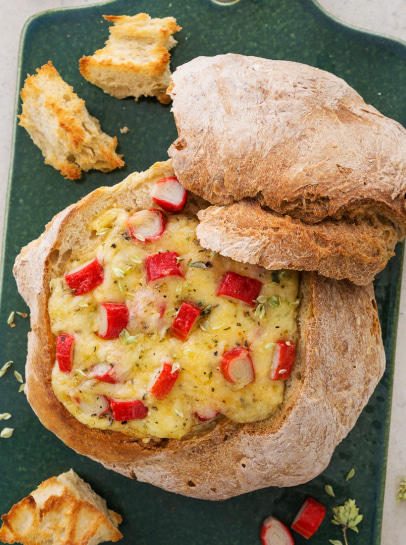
column 137, row 357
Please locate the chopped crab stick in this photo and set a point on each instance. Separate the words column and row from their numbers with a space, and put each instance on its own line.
column 309, row 518
column 113, row 318
column 185, row 320
column 164, row 382
column 282, row 360
column 146, row 225
column 273, row 532
column 169, row 194
column 103, row 372
column 237, row 366
column 160, row 265
column 206, row 414
column 86, row 277
column 64, row 352
column 128, row 410
column 240, row 287
column 99, row 406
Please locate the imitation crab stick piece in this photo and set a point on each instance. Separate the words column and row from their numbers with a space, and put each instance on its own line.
column 282, row 360
column 104, row 372
column 146, row 225
column 185, row 320
column 113, row 318
column 169, row 194
column 206, row 414
column 273, row 532
column 240, row 287
column 98, row 406
column 165, row 381
column 309, row 518
column 86, row 277
column 128, row 410
column 237, row 366
column 64, row 352
column 160, row 265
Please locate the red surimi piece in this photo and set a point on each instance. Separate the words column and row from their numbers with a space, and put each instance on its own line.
column 146, row 225
column 164, row 382
column 104, row 372
column 86, row 277
column 169, row 194
column 128, row 410
column 237, row 366
column 282, row 360
column 309, row 518
column 206, row 414
column 160, row 265
column 185, row 320
column 64, row 352
column 113, row 318
column 240, row 287
column 274, row 532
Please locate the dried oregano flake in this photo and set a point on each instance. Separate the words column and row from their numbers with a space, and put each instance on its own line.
column 5, row 367
column 350, row 475
column 5, row 416
column 6, row 433
column 329, row 489
column 18, row 376
column 402, row 491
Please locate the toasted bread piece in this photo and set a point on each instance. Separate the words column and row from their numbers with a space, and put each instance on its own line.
column 135, row 60
column 299, row 141
column 63, row 510
column 339, row 360
column 60, row 125
column 244, row 231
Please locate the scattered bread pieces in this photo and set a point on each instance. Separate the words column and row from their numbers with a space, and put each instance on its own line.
column 63, row 510
column 60, row 125
column 135, row 60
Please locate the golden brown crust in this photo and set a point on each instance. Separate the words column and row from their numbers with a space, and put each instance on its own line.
column 356, row 250
column 340, row 359
column 297, row 139
column 57, row 514
column 144, row 69
column 59, row 124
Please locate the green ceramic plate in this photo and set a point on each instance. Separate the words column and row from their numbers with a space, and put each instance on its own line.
column 294, row 30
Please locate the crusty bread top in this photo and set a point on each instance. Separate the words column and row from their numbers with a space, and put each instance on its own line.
column 356, row 249
column 135, row 59
column 63, row 510
column 299, row 140
column 59, row 124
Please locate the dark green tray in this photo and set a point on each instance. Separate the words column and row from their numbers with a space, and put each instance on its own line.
column 293, row 30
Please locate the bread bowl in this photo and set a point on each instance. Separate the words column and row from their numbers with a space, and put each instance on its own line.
column 339, row 360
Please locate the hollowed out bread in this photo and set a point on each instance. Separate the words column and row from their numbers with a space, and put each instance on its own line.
column 135, row 59
column 300, row 142
column 339, row 361
column 63, row 510
column 58, row 122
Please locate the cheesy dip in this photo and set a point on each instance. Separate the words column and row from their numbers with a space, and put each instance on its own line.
column 155, row 334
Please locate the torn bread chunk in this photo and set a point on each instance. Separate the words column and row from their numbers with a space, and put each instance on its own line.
column 135, row 59
column 58, row 122
column 63, row 510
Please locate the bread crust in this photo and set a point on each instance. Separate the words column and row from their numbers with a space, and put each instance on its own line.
column 340, row 359
column 58, row 122
column 244, row 231
column 298, row 139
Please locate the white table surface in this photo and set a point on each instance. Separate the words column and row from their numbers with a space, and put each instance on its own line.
column 386, row 17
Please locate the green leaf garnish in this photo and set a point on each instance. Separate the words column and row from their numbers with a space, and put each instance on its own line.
column 402, row 491
column 329, row 490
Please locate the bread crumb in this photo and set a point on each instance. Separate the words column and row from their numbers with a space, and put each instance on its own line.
column 135, row 59
column 58, row 122
column 124, row 130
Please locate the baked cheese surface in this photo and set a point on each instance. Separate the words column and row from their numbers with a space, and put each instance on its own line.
column 136, row 356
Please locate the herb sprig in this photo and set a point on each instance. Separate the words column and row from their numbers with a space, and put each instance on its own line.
column 348, row 517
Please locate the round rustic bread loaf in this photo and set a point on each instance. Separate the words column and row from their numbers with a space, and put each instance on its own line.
column 304, row 145
column 339, row 360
